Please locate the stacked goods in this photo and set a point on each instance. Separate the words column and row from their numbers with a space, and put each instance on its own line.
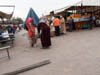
column 75, row 17
column 81, row 21
column 78, row 17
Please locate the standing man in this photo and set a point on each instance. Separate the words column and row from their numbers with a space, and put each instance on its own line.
column 63, row 26
column 70, row 24
column 56, row 23
column 31, row 31
column 91, row 21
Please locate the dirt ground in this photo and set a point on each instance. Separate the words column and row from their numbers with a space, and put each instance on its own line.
column 76, row 53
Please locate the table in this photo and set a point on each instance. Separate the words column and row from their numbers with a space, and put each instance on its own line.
column 7, row 49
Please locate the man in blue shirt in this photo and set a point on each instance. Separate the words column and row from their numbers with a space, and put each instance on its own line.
column 10, row 30
column 91, row 21
column 70, row 21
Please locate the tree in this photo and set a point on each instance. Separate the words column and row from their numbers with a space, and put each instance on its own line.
column 17, row 20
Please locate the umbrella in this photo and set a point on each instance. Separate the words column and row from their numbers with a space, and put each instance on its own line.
column 33, row 15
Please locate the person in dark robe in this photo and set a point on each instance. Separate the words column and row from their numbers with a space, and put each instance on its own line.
column 91, row 21
column 70, row 24
column 44, row 32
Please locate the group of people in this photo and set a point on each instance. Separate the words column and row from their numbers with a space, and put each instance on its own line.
column 45, row 26
column 7, row 32
column 10, row 29
column 43, row 32
column 13, row 28
column 59, row 25
column 44, row 29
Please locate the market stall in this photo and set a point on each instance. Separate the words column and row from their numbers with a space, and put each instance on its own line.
column 80, row 13
column 80, row 21
column 4, row 35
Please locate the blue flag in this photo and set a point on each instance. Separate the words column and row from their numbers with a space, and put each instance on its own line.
column 33, row 15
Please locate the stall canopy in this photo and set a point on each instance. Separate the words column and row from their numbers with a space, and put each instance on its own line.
column 95, row 4
column 5, row 15
column 33, row 15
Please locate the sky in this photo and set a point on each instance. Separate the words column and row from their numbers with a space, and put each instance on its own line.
column 39, row 6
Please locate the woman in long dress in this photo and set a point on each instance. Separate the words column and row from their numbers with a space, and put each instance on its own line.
column 44, row 32
column 63, row 26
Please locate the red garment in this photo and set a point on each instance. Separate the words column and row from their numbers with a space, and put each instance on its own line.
column 0, row 27
column 15, row 27
column 31, row 34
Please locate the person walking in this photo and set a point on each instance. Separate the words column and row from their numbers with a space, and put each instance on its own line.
column 56, row 23
column 31, row 31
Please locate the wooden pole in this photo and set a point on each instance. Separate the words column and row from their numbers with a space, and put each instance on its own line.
column 24, row 69
column 7, row 5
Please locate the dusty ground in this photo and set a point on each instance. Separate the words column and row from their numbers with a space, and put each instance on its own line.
column 77, row 53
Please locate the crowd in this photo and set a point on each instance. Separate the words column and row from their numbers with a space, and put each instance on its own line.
column 48, row 27
column 8, row 31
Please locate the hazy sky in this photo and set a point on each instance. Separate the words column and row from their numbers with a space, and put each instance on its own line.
column 40, row 6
